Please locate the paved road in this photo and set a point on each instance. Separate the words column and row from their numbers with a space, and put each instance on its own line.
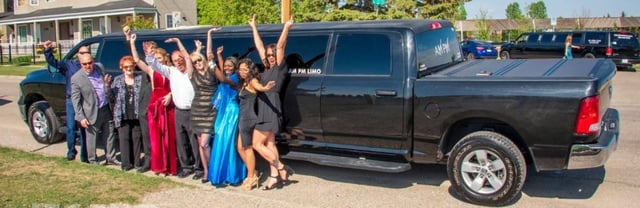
column 614, row 185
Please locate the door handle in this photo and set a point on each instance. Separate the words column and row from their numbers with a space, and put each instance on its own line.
column 386, row 93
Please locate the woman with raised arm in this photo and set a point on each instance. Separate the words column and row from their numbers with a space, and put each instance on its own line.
column 269, row 107
column 203, row 113
column 160, row 112
column 251, row 85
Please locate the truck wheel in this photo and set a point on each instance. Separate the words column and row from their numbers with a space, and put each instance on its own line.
column 487, row 168
column 505, row 55
column 43, row 123
column 589, row 55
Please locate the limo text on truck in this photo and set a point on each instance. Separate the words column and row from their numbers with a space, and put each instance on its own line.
column 384, row 95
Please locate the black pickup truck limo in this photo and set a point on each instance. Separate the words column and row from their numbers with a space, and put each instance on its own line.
column 383, row 95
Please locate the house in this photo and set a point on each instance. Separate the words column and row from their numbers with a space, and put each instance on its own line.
column 28, row 22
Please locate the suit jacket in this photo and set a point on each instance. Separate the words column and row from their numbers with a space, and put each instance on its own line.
column 84, row 98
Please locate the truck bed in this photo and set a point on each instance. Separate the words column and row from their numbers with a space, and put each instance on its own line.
column 529, row 68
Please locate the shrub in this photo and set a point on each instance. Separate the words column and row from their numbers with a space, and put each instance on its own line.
column 23, row 59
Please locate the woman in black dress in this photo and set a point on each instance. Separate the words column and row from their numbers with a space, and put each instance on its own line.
column 269, row 107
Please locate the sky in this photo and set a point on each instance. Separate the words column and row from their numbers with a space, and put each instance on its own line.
column 557, row 8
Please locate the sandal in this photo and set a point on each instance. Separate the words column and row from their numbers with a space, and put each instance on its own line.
column 250, row 182
column 288, row 172
column 273, row 185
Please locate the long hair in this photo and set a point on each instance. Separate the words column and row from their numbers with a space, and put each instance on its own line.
column 197, row 56
column 253, row 70
column 273, row 48
column 165, row 55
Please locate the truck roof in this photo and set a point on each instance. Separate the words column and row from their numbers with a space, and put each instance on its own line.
column 417, row 25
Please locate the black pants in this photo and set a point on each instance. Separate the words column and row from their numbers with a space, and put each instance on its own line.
column 146, row 148
column 186, row 142
column 130, row 137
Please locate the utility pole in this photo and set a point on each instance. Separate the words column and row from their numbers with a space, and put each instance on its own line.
column 285, row 13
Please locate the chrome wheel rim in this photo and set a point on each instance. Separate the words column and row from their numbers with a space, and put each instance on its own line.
column 483, row 171
column 40, row 124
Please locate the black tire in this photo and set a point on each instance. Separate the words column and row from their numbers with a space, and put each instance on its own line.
column 501, row 174
column 43, row 123
column 589, row 55
column 470, row 56
column 505, row 55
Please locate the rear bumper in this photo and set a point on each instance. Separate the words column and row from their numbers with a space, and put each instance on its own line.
column 596, row 154
column 620, row 62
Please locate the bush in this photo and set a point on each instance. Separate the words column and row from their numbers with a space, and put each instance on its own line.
column 23, row 59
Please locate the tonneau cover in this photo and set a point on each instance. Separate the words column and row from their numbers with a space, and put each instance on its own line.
column 530, row 68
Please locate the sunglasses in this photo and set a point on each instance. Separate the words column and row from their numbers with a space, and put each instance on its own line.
column 83, row 52
column 271, row 55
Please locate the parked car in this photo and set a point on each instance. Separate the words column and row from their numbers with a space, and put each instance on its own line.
column 477, row 49
column 384, row 95
column 621, row 47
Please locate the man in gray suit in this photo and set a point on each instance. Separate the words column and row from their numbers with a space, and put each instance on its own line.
column 89, row 94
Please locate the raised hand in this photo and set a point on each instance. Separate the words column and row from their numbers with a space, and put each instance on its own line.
column 107, row 79
column 220, row 49
column 252, row 21
column 215, row 29
column 127, row 32
column 270, row 84
column 198, row 43
column 47, row 44
column 172, row 40
column 289, row 22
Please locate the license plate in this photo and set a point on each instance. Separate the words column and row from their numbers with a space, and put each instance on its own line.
column 625, row 61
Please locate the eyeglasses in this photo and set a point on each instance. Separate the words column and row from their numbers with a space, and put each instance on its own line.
column 87, row 63
column 197, row 60
column 127, row 66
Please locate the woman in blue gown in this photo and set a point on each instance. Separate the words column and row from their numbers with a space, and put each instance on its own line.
column 225, row 164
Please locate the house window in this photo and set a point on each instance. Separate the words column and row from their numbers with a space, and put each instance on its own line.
column 87, row 28
column 23, row 30
column 103, row 27
column 169, row 20
column 34, row 2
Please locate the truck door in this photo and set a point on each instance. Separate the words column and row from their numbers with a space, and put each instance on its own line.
column 362, row 96
column 301, row 97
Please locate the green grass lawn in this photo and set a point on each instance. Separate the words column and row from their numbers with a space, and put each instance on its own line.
column 20, row 69
column 28, row 179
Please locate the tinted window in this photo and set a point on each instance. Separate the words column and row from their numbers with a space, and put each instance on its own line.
column 546, row 38
column 560, row 38
column 624, row 40
column 577, row 38
column 435, row 49
column 112, row 51
column 368, row 54
column 533, row 38
column 595, row 38
column 306, row 52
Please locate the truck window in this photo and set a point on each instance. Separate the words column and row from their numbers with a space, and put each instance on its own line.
column 624, row 40
column 560, row 38
column 596, row 38
column 577, row 38
column 112, row 51
column 306, row 54
column 436, row 49
column 546, row 38
column 363, row 54
column 533, row 38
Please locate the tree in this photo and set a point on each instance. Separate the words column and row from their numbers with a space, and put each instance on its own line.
column 462, row 13
column 140, row 23
column 537, row 10
column 220, row 12
column 513, row 11
column 483, row 25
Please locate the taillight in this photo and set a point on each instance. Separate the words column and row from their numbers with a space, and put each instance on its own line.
column 479, row 48
column 435, row 25
column 588, row 121
column 609, row 51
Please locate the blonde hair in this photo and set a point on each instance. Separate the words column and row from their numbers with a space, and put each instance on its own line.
column 195, row 56
column 165, row 55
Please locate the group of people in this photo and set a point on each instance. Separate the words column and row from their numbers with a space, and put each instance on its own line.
column 186, row 114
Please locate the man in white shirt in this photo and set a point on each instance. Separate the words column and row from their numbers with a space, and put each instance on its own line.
column 183, row 93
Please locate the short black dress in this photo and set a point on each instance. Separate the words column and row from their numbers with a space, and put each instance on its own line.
column 202, row 112
column 269, row 106
column 248, row 116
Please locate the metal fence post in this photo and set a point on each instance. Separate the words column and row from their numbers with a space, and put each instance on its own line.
column 33, row 52
column 9, row 53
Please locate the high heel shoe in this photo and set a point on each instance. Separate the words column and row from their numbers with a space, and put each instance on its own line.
column 250, row 182
column 274, row 184
column 288, row 172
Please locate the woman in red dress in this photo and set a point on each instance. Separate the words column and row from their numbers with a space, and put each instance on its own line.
column 160, row 113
